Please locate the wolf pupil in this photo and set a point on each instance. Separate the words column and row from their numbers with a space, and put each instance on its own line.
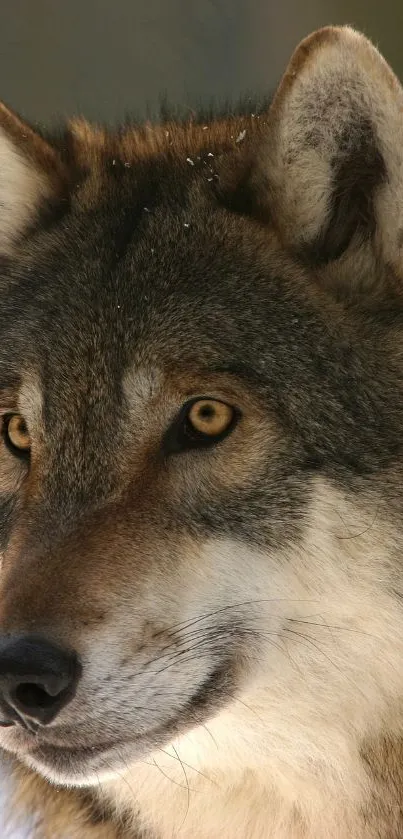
column 22, row 428
column 206, row 412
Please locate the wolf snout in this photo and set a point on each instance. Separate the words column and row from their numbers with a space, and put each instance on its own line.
column 37, row 680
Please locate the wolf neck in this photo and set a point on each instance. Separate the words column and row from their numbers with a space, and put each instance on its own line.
column 244, row 793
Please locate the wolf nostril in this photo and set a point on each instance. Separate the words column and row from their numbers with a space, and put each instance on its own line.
column 34, row 696
column 37, row 679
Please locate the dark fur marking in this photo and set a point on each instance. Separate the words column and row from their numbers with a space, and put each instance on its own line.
column 384, row 811
column 6, row 519
column 358, row 169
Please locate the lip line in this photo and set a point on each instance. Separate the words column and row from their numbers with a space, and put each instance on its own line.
column 46, row 752
column 78, row 751
column 64, row 752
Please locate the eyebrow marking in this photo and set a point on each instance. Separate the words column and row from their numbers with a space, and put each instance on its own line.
column 30, row 402
column 140, row 385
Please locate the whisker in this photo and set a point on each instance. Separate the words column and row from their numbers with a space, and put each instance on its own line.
column 177, row 654
column 311, row 643
column 334, row 626
column 208, row 615
column 214, row 741
column 183, row 762
column 177, row 643
column 168, row 777
column 187, row 784
column 361, row 532
column 248, row 707
column 120, row 775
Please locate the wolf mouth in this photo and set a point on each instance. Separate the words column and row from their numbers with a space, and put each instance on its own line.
column 62, row 757
column 212, row 694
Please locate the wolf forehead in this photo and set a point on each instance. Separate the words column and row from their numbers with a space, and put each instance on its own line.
column 157, row 240
column 140, row 237
column 160, row 250
column 144, row 263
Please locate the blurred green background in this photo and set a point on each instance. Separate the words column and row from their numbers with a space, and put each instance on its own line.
column 106, row 58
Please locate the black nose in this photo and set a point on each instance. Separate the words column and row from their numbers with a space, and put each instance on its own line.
column 37, row 679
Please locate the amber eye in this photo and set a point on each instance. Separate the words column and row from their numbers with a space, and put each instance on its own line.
column 16, row 434
column 208, row 416
column 201, row 423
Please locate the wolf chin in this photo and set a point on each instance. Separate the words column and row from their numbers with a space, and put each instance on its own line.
column 201, row 503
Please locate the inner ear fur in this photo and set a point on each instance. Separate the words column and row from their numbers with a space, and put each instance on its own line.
column 330, row 167
column 32, row 178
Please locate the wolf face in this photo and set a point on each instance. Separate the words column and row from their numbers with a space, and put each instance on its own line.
column 200, row 469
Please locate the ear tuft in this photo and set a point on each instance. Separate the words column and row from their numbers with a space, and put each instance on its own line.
column 31, row 176
column 331, row 167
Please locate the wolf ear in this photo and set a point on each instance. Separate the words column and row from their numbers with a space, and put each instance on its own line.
column 332, row 164
column 31, row 177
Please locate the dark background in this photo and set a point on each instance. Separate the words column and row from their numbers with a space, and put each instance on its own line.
column 106, row 58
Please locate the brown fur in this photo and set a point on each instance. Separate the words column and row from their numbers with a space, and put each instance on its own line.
column 60, row 810
column 236, row 610
column 384, row 813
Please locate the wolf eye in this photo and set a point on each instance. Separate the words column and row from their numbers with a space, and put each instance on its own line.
column 16, row 434
column 201, row 423
column 209, row 417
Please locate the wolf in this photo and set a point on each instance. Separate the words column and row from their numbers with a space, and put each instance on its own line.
column 201, row 399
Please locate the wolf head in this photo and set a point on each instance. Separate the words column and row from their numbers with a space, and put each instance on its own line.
column 201, row 398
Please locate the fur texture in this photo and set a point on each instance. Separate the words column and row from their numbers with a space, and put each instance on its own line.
column 236, row 604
